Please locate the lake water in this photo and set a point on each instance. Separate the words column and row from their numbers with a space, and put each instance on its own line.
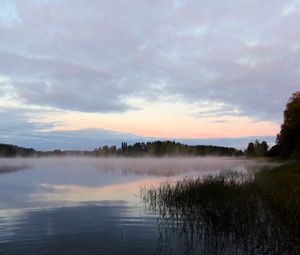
column 91, row 206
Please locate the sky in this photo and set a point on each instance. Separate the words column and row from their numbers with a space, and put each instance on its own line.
column 77, row 74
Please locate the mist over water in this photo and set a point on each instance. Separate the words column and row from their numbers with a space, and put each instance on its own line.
column 91, row 205
column 164, row 166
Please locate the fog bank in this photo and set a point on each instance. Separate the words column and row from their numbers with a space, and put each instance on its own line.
column 167, row 166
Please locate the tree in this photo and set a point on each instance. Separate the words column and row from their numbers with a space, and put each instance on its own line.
column 257, row 149
column 262, row 149
column 250, row 150
column 289, row 136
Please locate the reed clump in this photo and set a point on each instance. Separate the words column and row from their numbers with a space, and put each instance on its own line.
column 233, row 211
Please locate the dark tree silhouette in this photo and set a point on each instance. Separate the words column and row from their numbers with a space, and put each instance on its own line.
column 9, row 150
column 250, row 150
column 289, row 136
column 257, row 149
column 165, row 148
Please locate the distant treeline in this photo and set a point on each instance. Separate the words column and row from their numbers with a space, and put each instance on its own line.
column 166, row 148
column 9, row 150
column 157, row 148
column 63, row 153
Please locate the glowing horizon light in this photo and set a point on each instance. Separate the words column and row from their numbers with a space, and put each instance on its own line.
column 161, row 119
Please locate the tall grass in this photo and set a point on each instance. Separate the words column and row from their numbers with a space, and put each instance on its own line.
column 231, row 211
column 280, row 188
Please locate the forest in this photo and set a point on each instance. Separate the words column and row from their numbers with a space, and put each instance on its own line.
column 156, row 148
column 166, row 148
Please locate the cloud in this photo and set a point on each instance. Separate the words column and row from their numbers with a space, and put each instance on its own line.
column 17, row 127
column 94, row 56
column 61, row 84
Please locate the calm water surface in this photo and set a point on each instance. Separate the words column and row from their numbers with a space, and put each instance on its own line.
column 91, row 206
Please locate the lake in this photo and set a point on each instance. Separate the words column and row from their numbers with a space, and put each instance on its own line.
column 91, row 205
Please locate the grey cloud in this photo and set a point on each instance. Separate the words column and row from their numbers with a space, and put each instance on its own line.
column 62, row 84
column 16, row 122
column 221, row 111
column 16, row 128
column 90, row 56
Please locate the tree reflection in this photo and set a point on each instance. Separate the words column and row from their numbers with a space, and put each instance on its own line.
column 5, row 169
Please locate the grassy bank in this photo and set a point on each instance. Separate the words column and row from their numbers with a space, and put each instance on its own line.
column 280, row 188
column 247, row 214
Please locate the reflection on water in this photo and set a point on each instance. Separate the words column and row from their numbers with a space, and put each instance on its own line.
column 84, row 229
column 12, row 168
column 90, row 206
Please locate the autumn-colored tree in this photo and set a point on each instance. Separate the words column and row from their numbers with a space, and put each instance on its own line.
column 289, row 136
